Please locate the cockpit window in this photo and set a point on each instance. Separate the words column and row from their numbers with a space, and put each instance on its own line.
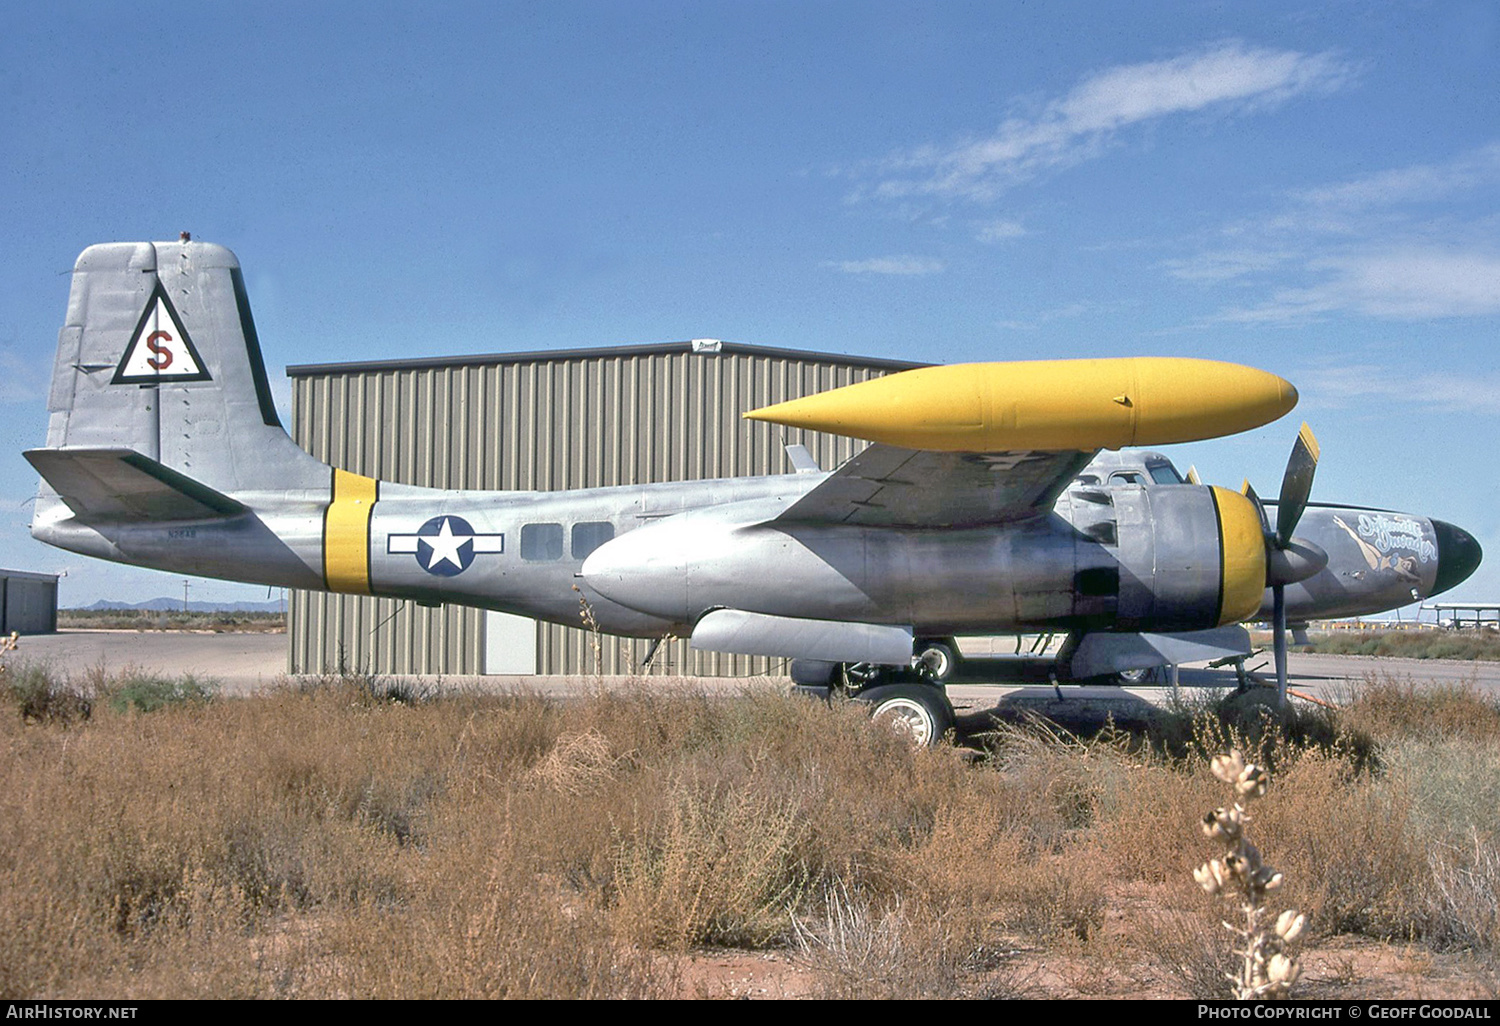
column 1130, row 477
column 1165, row 473
column 1087, row 479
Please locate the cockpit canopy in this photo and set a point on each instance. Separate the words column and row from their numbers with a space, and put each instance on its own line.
column 1129, row 467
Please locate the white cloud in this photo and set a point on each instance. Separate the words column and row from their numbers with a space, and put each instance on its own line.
column 998, row 231
column 907, row 265
column 1230, row 78
column 1417, row 183
column 1398, row 284
column 1225, row 265
column 1406, row 243
column 1347, row 385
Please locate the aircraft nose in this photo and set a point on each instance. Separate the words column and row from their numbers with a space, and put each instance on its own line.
column 1458, row 556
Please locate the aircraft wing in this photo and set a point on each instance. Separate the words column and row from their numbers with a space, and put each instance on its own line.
column 123, row 485
column 886, row 486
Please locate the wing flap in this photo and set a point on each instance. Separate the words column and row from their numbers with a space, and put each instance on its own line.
column 885, row 486
column 123, row 485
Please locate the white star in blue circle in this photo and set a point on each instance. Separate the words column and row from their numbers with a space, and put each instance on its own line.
column 445, row 546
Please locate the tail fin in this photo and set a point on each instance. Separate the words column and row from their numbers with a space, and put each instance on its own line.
column 159, row 356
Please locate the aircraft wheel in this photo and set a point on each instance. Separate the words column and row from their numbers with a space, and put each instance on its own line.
column 919, row 712
column 936, row 659
column 1129, row 678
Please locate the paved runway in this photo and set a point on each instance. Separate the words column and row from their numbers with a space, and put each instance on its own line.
column 240, row 662
column 244, row 663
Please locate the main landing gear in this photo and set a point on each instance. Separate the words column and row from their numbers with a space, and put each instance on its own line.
column 920, row 712
column 909, row 699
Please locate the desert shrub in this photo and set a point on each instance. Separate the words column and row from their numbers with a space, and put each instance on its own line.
column 1461, row 907
column 865, row 948
column 1393, row 708
column 717, row 866
column 1480, row 644
column 146, row 692
column 42, row 695
column 482, row 926
column 1193, row 950
column 1193, row 730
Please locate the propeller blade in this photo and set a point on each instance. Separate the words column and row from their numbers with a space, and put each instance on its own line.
column 1193, row 477
column 1296, row 486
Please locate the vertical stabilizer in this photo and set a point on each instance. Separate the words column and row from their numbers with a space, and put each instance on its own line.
column 159, row 355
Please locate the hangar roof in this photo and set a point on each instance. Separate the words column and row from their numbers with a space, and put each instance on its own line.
column 28, row 575
column 707, row 347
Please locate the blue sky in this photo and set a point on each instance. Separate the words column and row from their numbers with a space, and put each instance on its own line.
column 1311, row 189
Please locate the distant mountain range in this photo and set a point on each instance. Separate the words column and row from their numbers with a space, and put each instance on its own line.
column 171, row 605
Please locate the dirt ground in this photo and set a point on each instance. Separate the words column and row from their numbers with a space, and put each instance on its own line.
column 1347, row 969
column 1114, row 966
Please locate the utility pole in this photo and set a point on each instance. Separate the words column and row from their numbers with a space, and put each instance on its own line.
column 184, row 594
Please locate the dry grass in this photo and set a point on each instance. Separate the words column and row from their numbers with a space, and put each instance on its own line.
column 350, row 839
column 171, row 620
column 1390, row 708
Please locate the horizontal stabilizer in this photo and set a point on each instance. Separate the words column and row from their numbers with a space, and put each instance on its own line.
column 124, row 486
column 1101, row 653
column 734, row 630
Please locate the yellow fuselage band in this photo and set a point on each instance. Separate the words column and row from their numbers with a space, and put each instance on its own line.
column 346, row 532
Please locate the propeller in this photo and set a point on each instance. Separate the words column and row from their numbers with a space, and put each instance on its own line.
column 1289, row 559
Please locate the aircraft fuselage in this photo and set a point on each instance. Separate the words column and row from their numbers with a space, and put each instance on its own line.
column 650, row 559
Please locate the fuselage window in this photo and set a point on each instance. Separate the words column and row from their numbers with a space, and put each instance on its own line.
column 589, row 536
column 541, row 542
column 1164, row 473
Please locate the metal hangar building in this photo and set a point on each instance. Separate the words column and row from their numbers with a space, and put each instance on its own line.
column 28, row 602
column 543, row 421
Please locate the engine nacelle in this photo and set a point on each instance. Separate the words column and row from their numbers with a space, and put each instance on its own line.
column 1187, row 558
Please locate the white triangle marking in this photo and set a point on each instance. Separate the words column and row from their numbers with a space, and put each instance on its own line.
column 159, row 351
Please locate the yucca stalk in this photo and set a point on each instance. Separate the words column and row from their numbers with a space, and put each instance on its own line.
column 1268, row 968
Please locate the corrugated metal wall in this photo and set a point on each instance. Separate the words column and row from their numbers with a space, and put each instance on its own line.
column 28, row 602
column 541, row 421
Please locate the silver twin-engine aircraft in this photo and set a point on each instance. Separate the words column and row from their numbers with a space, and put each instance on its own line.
column 976, row 510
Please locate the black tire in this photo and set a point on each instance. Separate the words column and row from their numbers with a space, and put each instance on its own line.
column 919, row 712
column 936, row 658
